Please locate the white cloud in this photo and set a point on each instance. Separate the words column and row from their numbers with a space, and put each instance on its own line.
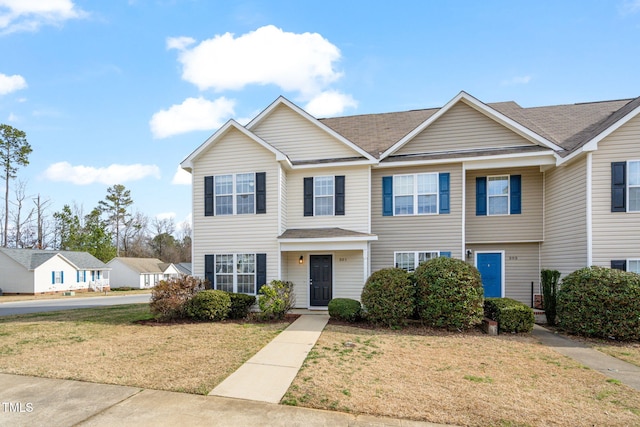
column 192, row 114
column 166, row 215
column 10, row 84
column 181, row 177
column 179, row 43
column 518, row 80
column 268, row 55
column 330, row 103
column 30, row 15
column 630, row 7
column 113, row 174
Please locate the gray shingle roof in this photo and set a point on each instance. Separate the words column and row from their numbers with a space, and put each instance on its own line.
column 142, row 265
column 184, row 267
column 33, row 258
column 569, row 126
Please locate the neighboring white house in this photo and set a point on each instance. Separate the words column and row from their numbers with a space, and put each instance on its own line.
column 170, row 271
column 184, row 268
column 30, row 271
column 140, row 273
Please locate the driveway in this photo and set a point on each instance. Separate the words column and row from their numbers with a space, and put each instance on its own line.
column 37, row 306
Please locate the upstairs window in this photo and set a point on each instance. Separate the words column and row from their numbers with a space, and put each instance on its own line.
column 235, row 194
column 324, row 195
column 415, row 194
column 498, row 195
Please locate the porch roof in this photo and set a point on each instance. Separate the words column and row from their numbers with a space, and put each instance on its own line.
column 324, row 234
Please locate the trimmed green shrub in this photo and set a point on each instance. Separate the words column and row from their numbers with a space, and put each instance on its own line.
column 600, row 302
column 387, row 297
column 122, row 288
column 168, row 297
column 240, row 305
column 449, row 293
column 345, row 309
column 549, row 279
column 211, row 305
column 511, row 315
column 276, row 299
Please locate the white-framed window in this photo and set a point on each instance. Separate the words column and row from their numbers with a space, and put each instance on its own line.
column 236, row 273
column 409, row 261
column 633, row 188
column 57, row 277
column 633, row 265
column 323, row 195
column 498, row 195
column 415, row 194
column 240, row 188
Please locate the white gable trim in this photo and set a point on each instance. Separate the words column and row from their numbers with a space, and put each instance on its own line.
column 481, row 162
column 592, row 145
column 482, row 108
column 187, row 164
column 284, row 101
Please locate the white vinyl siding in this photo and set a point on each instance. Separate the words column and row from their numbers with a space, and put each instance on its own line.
column 615, row 234
column 464, row 128
column 302, row 139
column 525, row 227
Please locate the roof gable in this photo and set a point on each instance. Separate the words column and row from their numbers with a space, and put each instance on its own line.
column 187, row 163
column 307, row 138
column 31, row 259
column 482, row 108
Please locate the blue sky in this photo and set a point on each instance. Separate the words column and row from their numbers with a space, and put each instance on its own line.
column 121, row 91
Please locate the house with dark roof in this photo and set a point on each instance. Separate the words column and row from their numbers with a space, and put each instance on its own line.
column 141, row 273
column 325, row 202
column 31, row 271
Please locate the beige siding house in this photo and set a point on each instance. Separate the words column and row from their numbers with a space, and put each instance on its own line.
column 325, row 202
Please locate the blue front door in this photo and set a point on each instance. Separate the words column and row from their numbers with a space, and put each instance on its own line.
column 490, row 267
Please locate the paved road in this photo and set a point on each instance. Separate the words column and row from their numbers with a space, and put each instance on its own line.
column 37, row 306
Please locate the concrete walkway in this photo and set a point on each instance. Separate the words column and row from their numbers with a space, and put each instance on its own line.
column 610, row 366
column 266, row 377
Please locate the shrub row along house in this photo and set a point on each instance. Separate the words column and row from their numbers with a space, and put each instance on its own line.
column 325, row 202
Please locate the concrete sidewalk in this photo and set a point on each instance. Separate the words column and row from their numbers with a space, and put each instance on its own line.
column 32, row 402
column 266, row 377
column 610, row 366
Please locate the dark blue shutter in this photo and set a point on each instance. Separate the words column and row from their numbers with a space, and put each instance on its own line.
column 339, row 182
column 515, row 189
column 387, row 196
column 53, row 277
column 308, row 197
column 261, row 193
column 209, row 269
column 444, row 193
column 261, row 271
column 481, row 195
column 77, row 275
column 619, row 264
column 62, row 277
column 618, row 186
column 445, row 254
column 208, row 196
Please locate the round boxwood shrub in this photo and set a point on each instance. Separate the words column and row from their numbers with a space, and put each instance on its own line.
column 449, row 293
column 209, row 305
column 600, row 302
column 240, row 305
column 387, row 297
column 345, row 309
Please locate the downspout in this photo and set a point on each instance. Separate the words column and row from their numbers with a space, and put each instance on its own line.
column 464, row 212
column 589, row 210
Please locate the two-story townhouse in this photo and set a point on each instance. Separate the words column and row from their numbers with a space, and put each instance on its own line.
column 511, row 190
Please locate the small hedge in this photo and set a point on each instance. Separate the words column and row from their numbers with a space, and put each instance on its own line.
column 348, row 310
column 240, row 305
column 209, row 305
column 600, row 302
column 387, row 297
column 449, row 293
column 511, row 315
column 169, row 297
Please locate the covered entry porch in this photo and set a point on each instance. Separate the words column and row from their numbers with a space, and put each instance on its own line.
column 324, row 263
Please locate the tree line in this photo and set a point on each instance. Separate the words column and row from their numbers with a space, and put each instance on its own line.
column 110, row 229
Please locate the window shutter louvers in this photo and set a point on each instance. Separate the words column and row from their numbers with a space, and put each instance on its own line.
column 209, row 269
column 261, row 193
column 443, row 185
column 515, row 189
column 53, row 277
column 62, row 277
column 481, row 195
column 308, row 197
column 77, row 275
column 261, row 271
column 618, row 187
column 339, row 200
column 387, row 196
column 208, row 196
column 619, row 264
column 445, row 254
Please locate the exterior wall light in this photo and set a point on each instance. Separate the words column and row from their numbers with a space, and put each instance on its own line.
column 301, row 259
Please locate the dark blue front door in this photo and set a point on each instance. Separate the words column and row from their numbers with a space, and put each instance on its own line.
column 490, row 267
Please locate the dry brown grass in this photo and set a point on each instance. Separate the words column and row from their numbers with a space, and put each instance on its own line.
column 464, row 379
column 629, row 352
column 11, row 298
column 105, row 345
